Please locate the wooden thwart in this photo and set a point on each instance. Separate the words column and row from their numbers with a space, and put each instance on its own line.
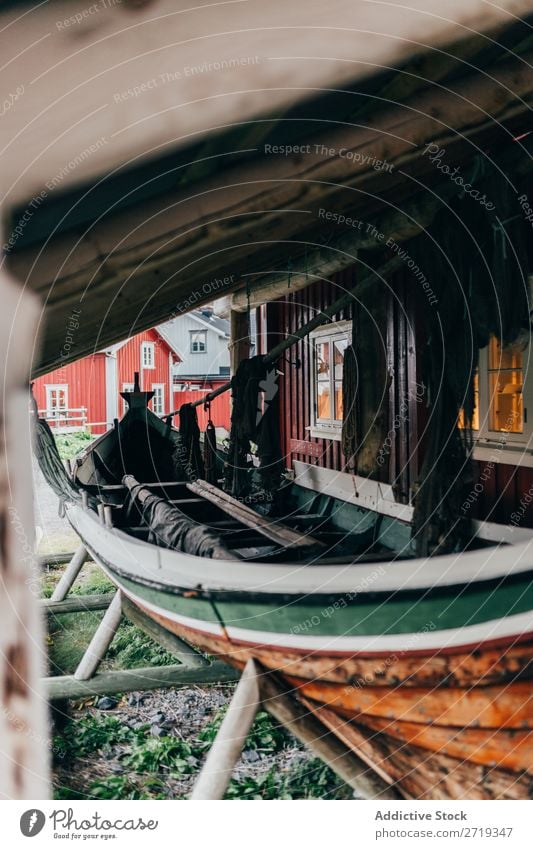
column 273, row 530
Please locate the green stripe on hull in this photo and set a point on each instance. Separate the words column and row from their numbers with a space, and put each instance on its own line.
column 360, row 617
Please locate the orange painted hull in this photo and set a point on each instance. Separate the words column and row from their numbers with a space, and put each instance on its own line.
column 454, row 726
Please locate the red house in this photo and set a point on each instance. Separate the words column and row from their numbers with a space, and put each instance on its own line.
column 86, row 393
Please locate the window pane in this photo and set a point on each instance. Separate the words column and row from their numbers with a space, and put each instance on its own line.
column 323, row 380
column 198, row 341
column 505, row 388
column 338, row 400
column 339, row 347
column 323, row 406
column 322, row 360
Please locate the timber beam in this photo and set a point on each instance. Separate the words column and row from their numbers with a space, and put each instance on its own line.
column 181, row 246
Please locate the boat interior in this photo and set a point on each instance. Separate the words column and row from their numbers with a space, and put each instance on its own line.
column 305, row 527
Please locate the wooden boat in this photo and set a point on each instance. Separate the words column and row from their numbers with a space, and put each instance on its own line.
column 421, row 665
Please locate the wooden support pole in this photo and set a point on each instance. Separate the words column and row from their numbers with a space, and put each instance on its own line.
column 185, row 653
column 70, row 574
column 225, row 751
column 145, row 678
column 55, row 559
column 77, row 603
column 108, row 516
column 322, row 742
column 239, row 345
column 24, row 755
column 101, row 640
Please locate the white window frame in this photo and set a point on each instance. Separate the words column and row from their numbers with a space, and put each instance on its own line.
column 505, row 447
column 148, row 355
column 192, row 334
column 126, row 387
column 52, row 412
column 155, row 407
column 322, row 429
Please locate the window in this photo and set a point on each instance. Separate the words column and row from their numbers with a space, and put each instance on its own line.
column 158, row 401
column 198, row 341
column 147, row 355
column 56, row 400
column 506, row 407
column 328, row 345
column 503, row 390
column 126, row 387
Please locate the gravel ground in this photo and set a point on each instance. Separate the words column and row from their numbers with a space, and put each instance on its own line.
column 174, row 713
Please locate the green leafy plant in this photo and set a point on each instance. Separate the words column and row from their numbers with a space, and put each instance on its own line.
column 69, row 445
column 90, row 734
column 161, row 753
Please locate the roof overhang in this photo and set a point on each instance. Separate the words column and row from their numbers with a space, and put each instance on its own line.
column 126, row 87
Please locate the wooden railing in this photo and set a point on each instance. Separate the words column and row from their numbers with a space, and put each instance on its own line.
column 68, row 419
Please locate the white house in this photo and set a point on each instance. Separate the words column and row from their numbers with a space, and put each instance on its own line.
column 201, row 337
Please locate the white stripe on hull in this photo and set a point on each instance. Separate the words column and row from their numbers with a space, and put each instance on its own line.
column 514, row 627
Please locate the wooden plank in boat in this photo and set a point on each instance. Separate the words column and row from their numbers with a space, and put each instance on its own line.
column 275, row 531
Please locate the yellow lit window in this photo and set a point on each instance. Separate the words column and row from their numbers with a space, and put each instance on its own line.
column 505, row 371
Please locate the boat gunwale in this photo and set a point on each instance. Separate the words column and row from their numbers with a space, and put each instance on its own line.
column 234, row 576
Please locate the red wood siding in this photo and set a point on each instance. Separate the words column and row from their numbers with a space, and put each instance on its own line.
column 86, row 378
column 86, row 388
column 499, row 491
column 220, row 407
column 129, row 361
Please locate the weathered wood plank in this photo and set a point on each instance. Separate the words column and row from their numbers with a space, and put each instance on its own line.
column 145, row 678
column 77, row 603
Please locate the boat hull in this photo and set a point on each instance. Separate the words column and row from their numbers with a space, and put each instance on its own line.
column 443, row 712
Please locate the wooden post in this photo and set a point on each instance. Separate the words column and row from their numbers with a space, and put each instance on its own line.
column 225, row 751
column 101, row 640
column 70, row 574
column 24, row 755
column 239, row 345
column 320, row 740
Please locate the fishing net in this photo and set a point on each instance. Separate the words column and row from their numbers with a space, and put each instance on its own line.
column 169, row 527
column 51, row 464
column 188, row 452
column 475, row 261
column 254, row 420
column 210, row 453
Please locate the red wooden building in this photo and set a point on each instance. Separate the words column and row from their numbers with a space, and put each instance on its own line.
column 86, row 393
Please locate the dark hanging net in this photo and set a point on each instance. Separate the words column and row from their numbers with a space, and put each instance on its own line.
column 188, row 453
column 254, row 419
column 210, row 453
column 475, row 263
column 51, row 464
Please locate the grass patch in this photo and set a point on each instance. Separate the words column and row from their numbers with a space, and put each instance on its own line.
column 71, row 633
column 69, row 445
column 150, row 761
